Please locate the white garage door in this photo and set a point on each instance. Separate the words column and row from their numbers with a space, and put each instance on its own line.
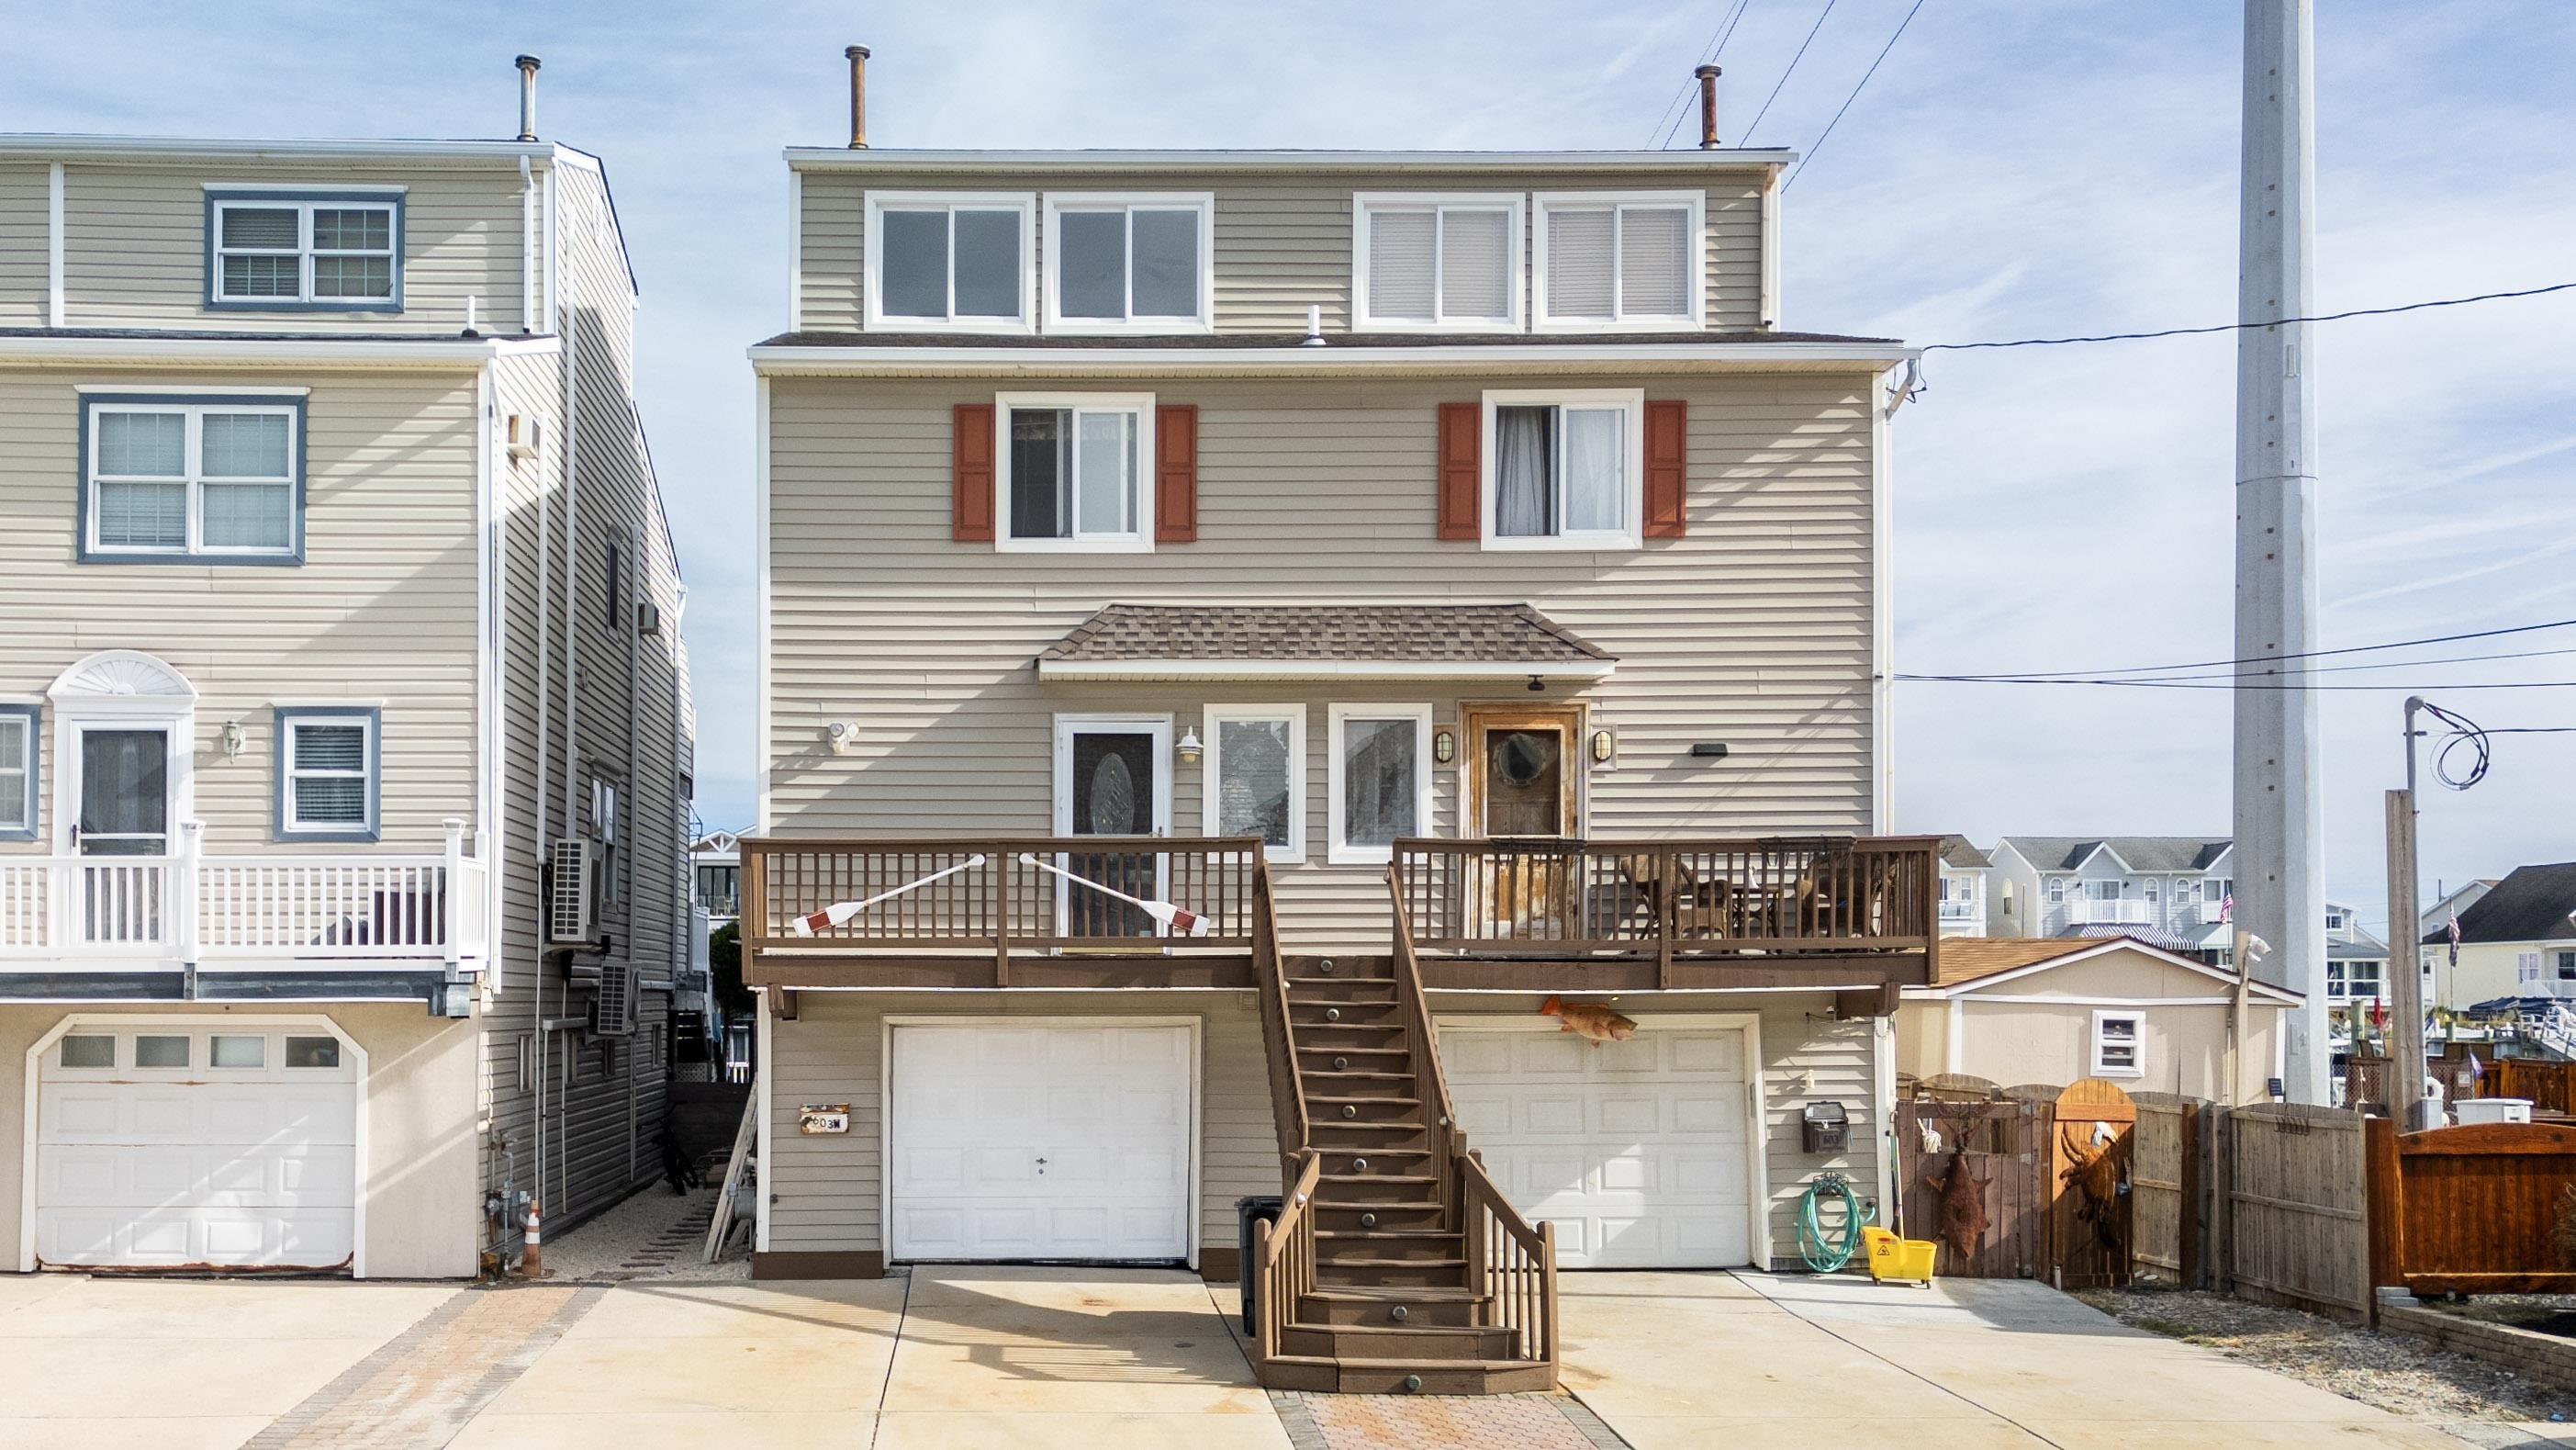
column 169, row 1146
column 1636, row 1151
column 1040, row 1141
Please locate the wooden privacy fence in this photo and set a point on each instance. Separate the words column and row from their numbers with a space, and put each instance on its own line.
column 2027, row 1185
column 2471, row 1210
column 2169, row 1175
column 2295, row 1207
column 2551, row 1086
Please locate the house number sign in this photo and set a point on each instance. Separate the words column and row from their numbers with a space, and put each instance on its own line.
column 816, row 1118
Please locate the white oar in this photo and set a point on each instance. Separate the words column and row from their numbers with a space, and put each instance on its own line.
column 841, row 911
column 1173, row 918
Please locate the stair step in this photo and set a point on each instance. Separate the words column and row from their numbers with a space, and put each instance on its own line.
column 1331, row 1153
column 1445, row 1377
column 1352, row 1076
column 1335, row 1101
column 1443, row 1342
column 1365, row 1125
column 1425, row 1305
column 1423, row 1180
column 1354, row 1052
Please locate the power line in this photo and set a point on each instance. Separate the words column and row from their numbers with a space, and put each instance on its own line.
column 1854, row 96
column 2242, row 326
column 1784, row 75
column 2014, row 676
column 2190, row 685
column 2527, row 654
column 1679, row 106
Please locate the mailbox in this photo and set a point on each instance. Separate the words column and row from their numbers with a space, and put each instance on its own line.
column 1824, row 1128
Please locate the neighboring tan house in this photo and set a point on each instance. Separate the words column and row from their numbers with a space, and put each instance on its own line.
column 2517, row 940
column 2018, row 1010
column 331, row 619
column 1545, row 577
column 1964, row 869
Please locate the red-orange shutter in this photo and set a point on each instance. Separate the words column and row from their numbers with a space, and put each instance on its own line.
column 971, row 511
column 1176, row 473
column 1462, row 430
column 1667, row 469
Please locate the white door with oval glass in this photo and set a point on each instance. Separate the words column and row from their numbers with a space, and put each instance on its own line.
column 1113, row 777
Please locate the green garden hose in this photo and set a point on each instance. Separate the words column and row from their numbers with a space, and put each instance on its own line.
column 1821, row 1255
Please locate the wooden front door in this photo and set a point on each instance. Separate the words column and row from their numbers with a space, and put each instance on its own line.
column 1524, row 782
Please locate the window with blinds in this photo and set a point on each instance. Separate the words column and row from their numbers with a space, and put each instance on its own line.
column 316, row 252
column 327, row 785
column 1437, row 262
column 17, row 772
column 167, row 478
column 1619, row 262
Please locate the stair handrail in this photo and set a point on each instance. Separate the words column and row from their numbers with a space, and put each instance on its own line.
column 1515, row 1261
column 1284, row 1255
column 1287, row 1078
column 1416, row 1006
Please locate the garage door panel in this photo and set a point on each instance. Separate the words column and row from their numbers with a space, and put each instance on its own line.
column 1475, row 1054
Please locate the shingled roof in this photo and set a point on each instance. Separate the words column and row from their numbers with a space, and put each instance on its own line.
column 2141, row 853
column 1284, row 641
column 2531, row 904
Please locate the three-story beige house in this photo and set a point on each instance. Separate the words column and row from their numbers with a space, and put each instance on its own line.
column 344, row 731
column 1241, row 631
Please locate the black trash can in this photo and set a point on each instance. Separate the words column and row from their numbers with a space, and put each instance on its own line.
column 1246, row 1212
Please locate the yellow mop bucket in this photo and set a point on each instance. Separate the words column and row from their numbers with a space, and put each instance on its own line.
column 1891, row 1257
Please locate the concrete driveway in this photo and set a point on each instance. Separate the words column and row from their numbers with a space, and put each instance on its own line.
column 1040, row 1357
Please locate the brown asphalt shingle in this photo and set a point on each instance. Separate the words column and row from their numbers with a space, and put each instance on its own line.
column 1386, row 633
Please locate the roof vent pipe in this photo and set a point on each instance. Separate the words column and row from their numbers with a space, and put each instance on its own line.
column 858, row 55
column 528, row 97
column 1708, row 75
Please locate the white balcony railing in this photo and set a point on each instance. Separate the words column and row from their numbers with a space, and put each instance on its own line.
column 353, row 908
column 2210, row 911
column 1963, row 911
column 2085, row 911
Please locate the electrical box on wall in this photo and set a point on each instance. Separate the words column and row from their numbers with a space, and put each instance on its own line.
column 1824, row 1128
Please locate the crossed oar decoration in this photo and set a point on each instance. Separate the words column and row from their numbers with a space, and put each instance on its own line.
column 1178, row 920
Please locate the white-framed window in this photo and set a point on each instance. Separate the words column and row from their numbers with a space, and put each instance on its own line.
column 1619, row 262
column 18, row 771
column 1256, row 776
column 1073, row 472
column 2056, row 889
column 951, row 261
column 165, row 477
column 316, row 252
column 2334, row 918
column 2153, row 890
column 1380, row 779
column 1436, row 262
column 2526, row 966
column 328, row 769
column 2102, row 890
column 1139, row 262
column 2186, row 891
column 2119, row 1044
column 2565, row 963
column 606, row 888
column 1564, row 469
column 2352, row 981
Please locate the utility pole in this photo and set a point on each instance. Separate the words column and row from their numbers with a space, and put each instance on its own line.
column 2405, row 953
column 2280, row 876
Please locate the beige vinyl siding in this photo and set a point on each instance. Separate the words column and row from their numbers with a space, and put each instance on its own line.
column 829, row 1188
column 134, row 247
column 1754, row 631
column 25, row 274
column 1282, row 243
column 381, row 612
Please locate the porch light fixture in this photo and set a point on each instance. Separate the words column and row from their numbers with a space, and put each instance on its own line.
column 232, row 740
column 1444, row 747
column 1602, row 745
column 1189, row 747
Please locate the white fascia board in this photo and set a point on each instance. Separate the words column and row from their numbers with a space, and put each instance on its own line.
column 432, row 354
column 1317, row 669
column 39, row 144
column 1975, row 985
column 878, row 158
column 793, row 360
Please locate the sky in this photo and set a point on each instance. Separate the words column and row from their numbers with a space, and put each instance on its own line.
column 2014, row 169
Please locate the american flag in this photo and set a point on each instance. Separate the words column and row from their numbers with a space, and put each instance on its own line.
column 2227, row 908
column 2455, row 936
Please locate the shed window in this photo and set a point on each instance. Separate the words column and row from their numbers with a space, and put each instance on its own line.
column 2119, row 1044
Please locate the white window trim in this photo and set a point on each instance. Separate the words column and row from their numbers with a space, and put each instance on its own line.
column 1215, row 716
column 2137, row 1020
column 872, row 261
column 306, row 253
column 1633, row 400
column 1067, row 725
column 1542, row 321
column 1140, row 542
column 192, row 476
column 1058, row 202
column 288, row 726
column 1338, row 851
column 1516, row 261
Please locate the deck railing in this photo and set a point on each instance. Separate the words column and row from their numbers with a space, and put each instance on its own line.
column 1000, row 895
column 1782, row 895
column 1283, row 1255
column 312, row 908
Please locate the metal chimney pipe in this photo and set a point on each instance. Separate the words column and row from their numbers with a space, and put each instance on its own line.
column 1708, row 75
column 528, row 97
column 858, row 55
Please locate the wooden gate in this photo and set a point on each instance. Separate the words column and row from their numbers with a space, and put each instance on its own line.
column 2089, row 1214
column 2297, row 1227
column 2168, row 1188
column 1997, row 1229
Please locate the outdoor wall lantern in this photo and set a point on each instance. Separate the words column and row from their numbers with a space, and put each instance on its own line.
column 1444, row 747
column 1602, row 746
column 1190, row 747
column 232, row 739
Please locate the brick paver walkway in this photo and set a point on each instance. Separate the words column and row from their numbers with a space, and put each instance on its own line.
column 1438, row 1422
column 422, row 1387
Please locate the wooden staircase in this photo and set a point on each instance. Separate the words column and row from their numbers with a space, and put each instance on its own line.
column 1395, row 1266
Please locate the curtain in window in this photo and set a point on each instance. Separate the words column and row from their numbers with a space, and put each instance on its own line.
column 1378, row 793
column 1400, row 267
column 1596, row 466
column 1524, row 450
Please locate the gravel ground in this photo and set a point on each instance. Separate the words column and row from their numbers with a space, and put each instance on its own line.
column 2394, row 1372
column 654, row 1235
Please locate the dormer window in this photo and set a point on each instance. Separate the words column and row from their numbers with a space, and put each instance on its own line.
column 305, row 252
column 1130, row 263
column 1619, row 263
column 951, row 261
column 1436, row 262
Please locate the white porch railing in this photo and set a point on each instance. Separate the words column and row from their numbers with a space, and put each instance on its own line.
column 2133, row 911
column 1963, row 910
column 351, row 907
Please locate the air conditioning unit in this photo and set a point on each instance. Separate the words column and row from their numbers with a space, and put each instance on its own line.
column 648, row 619
column 568, row 892
column 526, row 434
column 612, row 1008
